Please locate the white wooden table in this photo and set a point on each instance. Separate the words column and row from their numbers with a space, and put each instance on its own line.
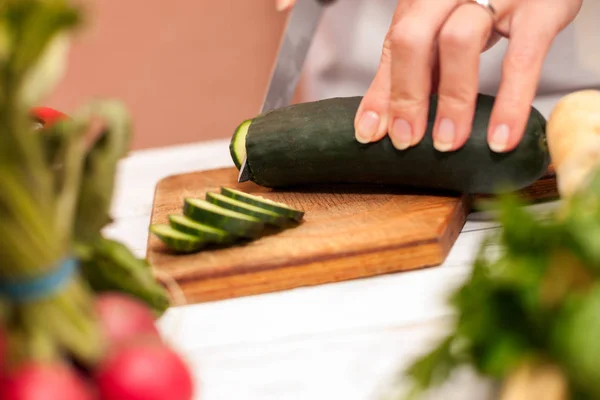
column 330, row 342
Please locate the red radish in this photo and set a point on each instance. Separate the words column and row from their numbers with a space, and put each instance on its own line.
column 44, row 381
column 144, row 370
column 123, row 317
column 47, row 116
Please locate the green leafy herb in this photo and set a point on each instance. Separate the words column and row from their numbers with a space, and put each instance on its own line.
column 533, row 294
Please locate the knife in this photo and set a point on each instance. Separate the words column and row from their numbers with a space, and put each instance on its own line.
column 299, row 32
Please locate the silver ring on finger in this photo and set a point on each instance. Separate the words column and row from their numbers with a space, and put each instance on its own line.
column 487, row 4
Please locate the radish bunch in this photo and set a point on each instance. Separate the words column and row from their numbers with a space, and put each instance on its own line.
column 68, row 328
column 124, row 357
column 137, row 364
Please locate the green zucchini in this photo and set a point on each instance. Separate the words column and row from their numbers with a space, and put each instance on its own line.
column 266, row 216
column 176, row 240
column 187, row 225
column 230, row 221
column 314, row 143
column 267, row 204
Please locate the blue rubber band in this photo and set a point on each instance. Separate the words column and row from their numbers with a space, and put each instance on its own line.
column 41, row 287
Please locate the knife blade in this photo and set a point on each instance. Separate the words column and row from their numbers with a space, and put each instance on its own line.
column 301, row 27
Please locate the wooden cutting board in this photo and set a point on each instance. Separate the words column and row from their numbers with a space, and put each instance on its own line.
column 348, row 233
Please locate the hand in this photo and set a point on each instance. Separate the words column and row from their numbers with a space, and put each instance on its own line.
column 283, row 5
column 431, row 40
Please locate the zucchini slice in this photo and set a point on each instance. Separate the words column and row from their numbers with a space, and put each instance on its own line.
column 314, row 143
column 176, row 240
column 266, row 216
column 187, row 225
column 230, row 221
column 237, row 146
column 264, row 203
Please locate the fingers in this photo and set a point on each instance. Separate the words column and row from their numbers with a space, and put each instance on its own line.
column 371, row 120
column 521, row 71
column 461, row 40
column 412, row 41
column 283, row 5
column 397, row 101
column 532, row 30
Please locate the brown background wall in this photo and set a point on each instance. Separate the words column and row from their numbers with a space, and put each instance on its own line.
column 189, row 70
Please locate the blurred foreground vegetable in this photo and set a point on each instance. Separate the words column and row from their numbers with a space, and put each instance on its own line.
column 529, row 314
column 57, row 272
column 125, row 375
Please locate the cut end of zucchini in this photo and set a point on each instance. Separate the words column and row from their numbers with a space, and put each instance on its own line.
column 176, row 240
column 237, row 148
column 264, row 203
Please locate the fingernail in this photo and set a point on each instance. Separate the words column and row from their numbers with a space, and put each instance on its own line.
column 444, row 139
column 367, row 126
column 499, row 139
column 401, row 134
column 283, row 5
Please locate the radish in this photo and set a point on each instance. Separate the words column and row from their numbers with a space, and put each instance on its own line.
column 123, row 317
column 47, row 116
column 35, row 381
column 144, row 370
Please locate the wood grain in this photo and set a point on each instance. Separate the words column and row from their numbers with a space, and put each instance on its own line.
column 348, row 232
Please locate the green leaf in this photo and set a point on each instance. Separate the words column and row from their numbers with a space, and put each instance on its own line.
column 433, row 368
column 97, row 186
column 37, row 46
column 530, row 296
column 576, row 340
column 503, row 352
column 68, row 181
column 108, row 265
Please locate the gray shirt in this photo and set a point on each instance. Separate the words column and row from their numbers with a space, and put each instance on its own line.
column 345, row 53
